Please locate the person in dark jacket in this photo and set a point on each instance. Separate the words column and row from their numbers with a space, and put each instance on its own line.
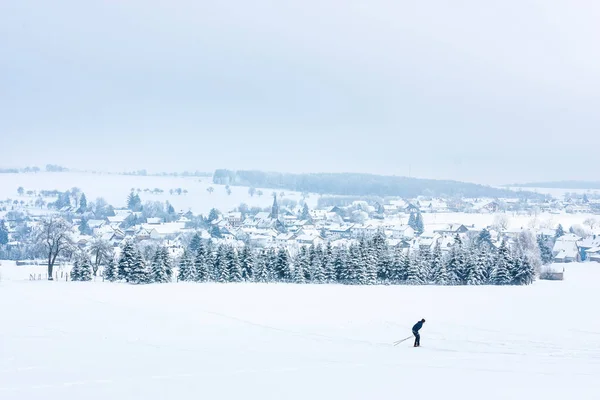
column 415, row 331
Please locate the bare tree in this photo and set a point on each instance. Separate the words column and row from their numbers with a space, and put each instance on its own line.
column 102, row 251
column 501, row 222
column 54, row 233
column 591, row 222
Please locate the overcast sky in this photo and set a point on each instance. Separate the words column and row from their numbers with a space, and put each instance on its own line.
column 490, row 92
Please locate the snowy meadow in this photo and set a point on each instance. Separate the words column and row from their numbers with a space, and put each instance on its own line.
column 99, row 340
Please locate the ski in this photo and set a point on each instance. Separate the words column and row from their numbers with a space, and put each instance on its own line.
column 397, row 342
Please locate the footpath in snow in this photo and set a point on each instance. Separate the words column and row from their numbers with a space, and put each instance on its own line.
column 97, row 340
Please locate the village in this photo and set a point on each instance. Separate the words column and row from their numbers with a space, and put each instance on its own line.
column 419, row 223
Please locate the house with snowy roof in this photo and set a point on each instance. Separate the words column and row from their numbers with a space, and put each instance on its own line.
column 565, row 249
column 589, row 248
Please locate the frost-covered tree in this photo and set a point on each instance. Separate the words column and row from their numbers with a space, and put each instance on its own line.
column 235, row 267
column 261, row 273
column 126, row 261
column 399, row 266
column 82, row 269
column 195, row 243
column 187, row 270
column 317, row 266
column 101, row 251
column 501, row 274
column 110, row 271
column 160, row 268
column 560, row 231
column 476, row 267
column 138, row 273
column 415, row 221
column 3, row 233
column 457, row 263
column 439, row 274
column 247, row 263
column 524, row 272
column 484, row 238
column 299, row 267
column 413, row 272
column 545, row 251
column 281, row 267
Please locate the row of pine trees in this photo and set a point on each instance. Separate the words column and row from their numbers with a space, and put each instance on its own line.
column 368, row 262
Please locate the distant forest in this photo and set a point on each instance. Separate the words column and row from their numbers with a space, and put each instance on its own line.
column 560, row 185
column 353, row 184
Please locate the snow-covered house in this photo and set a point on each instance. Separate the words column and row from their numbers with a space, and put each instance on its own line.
column 566, row 250
column 588, row 247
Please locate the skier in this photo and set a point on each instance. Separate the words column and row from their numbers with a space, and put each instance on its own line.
column 415, row 331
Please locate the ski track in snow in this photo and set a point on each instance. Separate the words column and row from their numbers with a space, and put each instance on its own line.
column 99, row 340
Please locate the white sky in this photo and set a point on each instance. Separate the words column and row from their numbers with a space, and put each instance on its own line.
column 491, row 92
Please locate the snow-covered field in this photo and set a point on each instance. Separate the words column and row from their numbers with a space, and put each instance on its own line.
column 115, row 189
column 67, row 340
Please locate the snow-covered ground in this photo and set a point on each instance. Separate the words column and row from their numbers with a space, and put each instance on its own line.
column 115, row 189
column 67, row 340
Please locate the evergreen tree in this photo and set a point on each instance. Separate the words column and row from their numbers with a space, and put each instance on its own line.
column 202, row 266
column 84, row 227
column 82, row 204
column 457, row 263
column 195, row 244
column 559, row 231
column 318, row 266
column 300, row 267
column 3, row 233
column 545, row 251
column 305, row 216
column 225, row 260
column 138, row 273
column 160, row 268
column 524, row 273
column 282, row 266
column 424, row 258
column 484, row 238
column 126, row 261
column 399, row 267
column 220, row 264
column 110, row 271
column 351, row 274
column 476, row 266
column 247, row 262
column 82, row 269
column 187, row 271
column 412, row 268
column 260, row 268
column 501, row 274
column 439, row 274
column 235, row 267
column 340, row 256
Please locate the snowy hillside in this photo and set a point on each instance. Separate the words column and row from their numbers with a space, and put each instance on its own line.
column 189, row 341
column 115, row 189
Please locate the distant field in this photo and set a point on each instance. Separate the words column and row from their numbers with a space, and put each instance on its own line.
column 116, row 188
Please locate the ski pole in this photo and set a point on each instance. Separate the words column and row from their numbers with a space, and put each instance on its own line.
column 400, row 341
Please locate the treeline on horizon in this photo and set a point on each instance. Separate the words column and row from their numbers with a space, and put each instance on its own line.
column 356, row 184
column 560, row 185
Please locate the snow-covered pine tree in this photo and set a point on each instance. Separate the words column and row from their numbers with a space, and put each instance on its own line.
column 545, row 251
column 560, row 231
column 476, row 266
column 350, row 274
column 126, row 261
column 260, row 267
column 159, row 266
column 299, row 268
column 138, row 274
column 110, row 271
column 187, row 272
column 369, row 261
column 399, row 272
column 247, row 263
column 235, row 267
column 457, row 263
column 340, row 257
column 424, row 260
column 195, row 244
column 501, row 274
column 317, row 266
column 524, row 273
column 167, row 264
column 484, row 238
column 82, row 269
column 219, row 264
column 412, row 268
column 439, row 274
column 271, row 256
column 225, row 259
column 282, row 266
